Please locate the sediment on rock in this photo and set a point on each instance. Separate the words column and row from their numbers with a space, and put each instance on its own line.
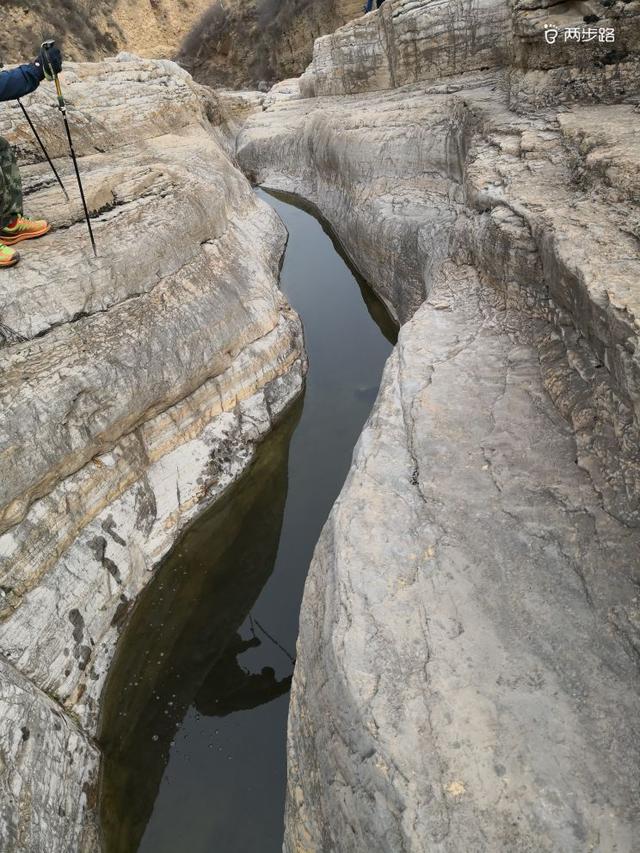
column 135, row 388
column 473, row 595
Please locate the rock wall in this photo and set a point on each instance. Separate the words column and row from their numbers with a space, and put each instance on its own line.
column 134, row 388
column 467, row 673
column 467, row 679
column 408, row 41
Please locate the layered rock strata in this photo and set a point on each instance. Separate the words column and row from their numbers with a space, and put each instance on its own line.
column 135, row 387
column 467, row 673
column 413, row 40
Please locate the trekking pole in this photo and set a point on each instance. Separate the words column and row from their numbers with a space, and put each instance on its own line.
column 41, row 143
column 44, row 150
column 46, row 47
column 253, row 622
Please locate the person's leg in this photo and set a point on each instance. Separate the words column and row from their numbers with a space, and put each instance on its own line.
column 14, row 227
column 10, row 185
column 10, row 198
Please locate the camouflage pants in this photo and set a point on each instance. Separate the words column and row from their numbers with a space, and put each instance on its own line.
column 10, row 184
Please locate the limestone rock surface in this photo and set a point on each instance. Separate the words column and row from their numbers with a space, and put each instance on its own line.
column 465, row 681
column 134, row 387
column 47, row 796
column 411, row 177
column 467, row 673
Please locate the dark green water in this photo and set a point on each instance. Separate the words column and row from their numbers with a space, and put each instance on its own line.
column 195, row 709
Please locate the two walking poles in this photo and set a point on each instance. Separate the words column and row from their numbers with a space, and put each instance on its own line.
column 52, row 75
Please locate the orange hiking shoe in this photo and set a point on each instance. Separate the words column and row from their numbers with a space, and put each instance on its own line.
column 23, row 229
column 8, row 257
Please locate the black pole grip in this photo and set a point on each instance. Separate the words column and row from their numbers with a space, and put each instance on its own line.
column 45, row 47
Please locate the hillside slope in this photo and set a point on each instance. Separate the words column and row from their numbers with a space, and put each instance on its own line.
column 246, row 42
column 92, row 29
column 235, row 42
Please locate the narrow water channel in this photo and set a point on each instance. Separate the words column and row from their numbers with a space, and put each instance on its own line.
column 195, row 709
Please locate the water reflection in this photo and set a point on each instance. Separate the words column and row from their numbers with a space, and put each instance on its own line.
column 183, row 647
column 230, row 687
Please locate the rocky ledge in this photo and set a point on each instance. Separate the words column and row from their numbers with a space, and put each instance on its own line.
column 134, row 387
column 467, row 673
